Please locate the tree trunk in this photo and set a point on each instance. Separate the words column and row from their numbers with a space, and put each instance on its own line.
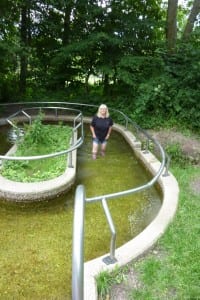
column 191, row 19
column 106, row 85
column 87, row 82
column 171, row 33
column 66, row 31
column 24, row 44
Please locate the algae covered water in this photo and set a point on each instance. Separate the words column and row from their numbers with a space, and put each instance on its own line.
column 36, row 239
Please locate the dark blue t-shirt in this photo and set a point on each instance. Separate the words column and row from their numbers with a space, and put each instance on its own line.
column 101, row 126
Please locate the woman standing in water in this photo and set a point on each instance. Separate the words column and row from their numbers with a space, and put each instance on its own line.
column 101, row 127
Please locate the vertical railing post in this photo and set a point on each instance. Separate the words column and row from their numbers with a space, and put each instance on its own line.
column 70, row 165
column 78, row 245
column 110, row 259
column 146, row 150
column 167, row 162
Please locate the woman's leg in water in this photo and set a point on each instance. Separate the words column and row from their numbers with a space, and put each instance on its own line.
column 103, row 148
column 95, row 147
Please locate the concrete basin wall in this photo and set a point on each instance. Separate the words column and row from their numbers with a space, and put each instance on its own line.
column 16, row 191
column 149, row 236
column 38, row 191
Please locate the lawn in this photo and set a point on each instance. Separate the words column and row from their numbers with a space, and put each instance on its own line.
column 172, row 269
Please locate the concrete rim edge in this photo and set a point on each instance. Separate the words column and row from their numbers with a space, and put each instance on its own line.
column 149, row 236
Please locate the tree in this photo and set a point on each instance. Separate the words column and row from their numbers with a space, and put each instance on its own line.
column 191, row 19
column 25, row 37
column 9, row 47
column 171, row 32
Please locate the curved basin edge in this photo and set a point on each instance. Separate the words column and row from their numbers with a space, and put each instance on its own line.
column 149, row 236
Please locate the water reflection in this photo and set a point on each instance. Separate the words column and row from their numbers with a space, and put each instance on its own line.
column 15, row 134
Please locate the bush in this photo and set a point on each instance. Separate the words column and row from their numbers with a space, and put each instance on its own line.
column 39, row 140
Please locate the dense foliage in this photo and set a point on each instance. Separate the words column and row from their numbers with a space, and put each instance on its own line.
column 55, row 49
column 39, row 139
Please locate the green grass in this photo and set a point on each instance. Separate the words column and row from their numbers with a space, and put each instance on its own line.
column 40, row 140
column 175, row 274
column 106, row 280
column 172, row 269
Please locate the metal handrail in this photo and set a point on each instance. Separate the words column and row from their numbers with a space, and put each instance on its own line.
column 130, row 191
column 78, row 215
column 27, row 115
column 111, row 259
column 77, row 244
column 80, row 200
column 74, row 146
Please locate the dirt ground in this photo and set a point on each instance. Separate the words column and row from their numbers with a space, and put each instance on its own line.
column 190, row 146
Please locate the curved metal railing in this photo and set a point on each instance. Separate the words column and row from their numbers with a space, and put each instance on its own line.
column 75, row 143
column 81, row 199
column 78, row 244
column 77, row 279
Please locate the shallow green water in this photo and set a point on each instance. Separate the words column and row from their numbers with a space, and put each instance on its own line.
column 36, row 239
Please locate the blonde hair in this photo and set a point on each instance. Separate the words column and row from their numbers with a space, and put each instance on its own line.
column 100, row 107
